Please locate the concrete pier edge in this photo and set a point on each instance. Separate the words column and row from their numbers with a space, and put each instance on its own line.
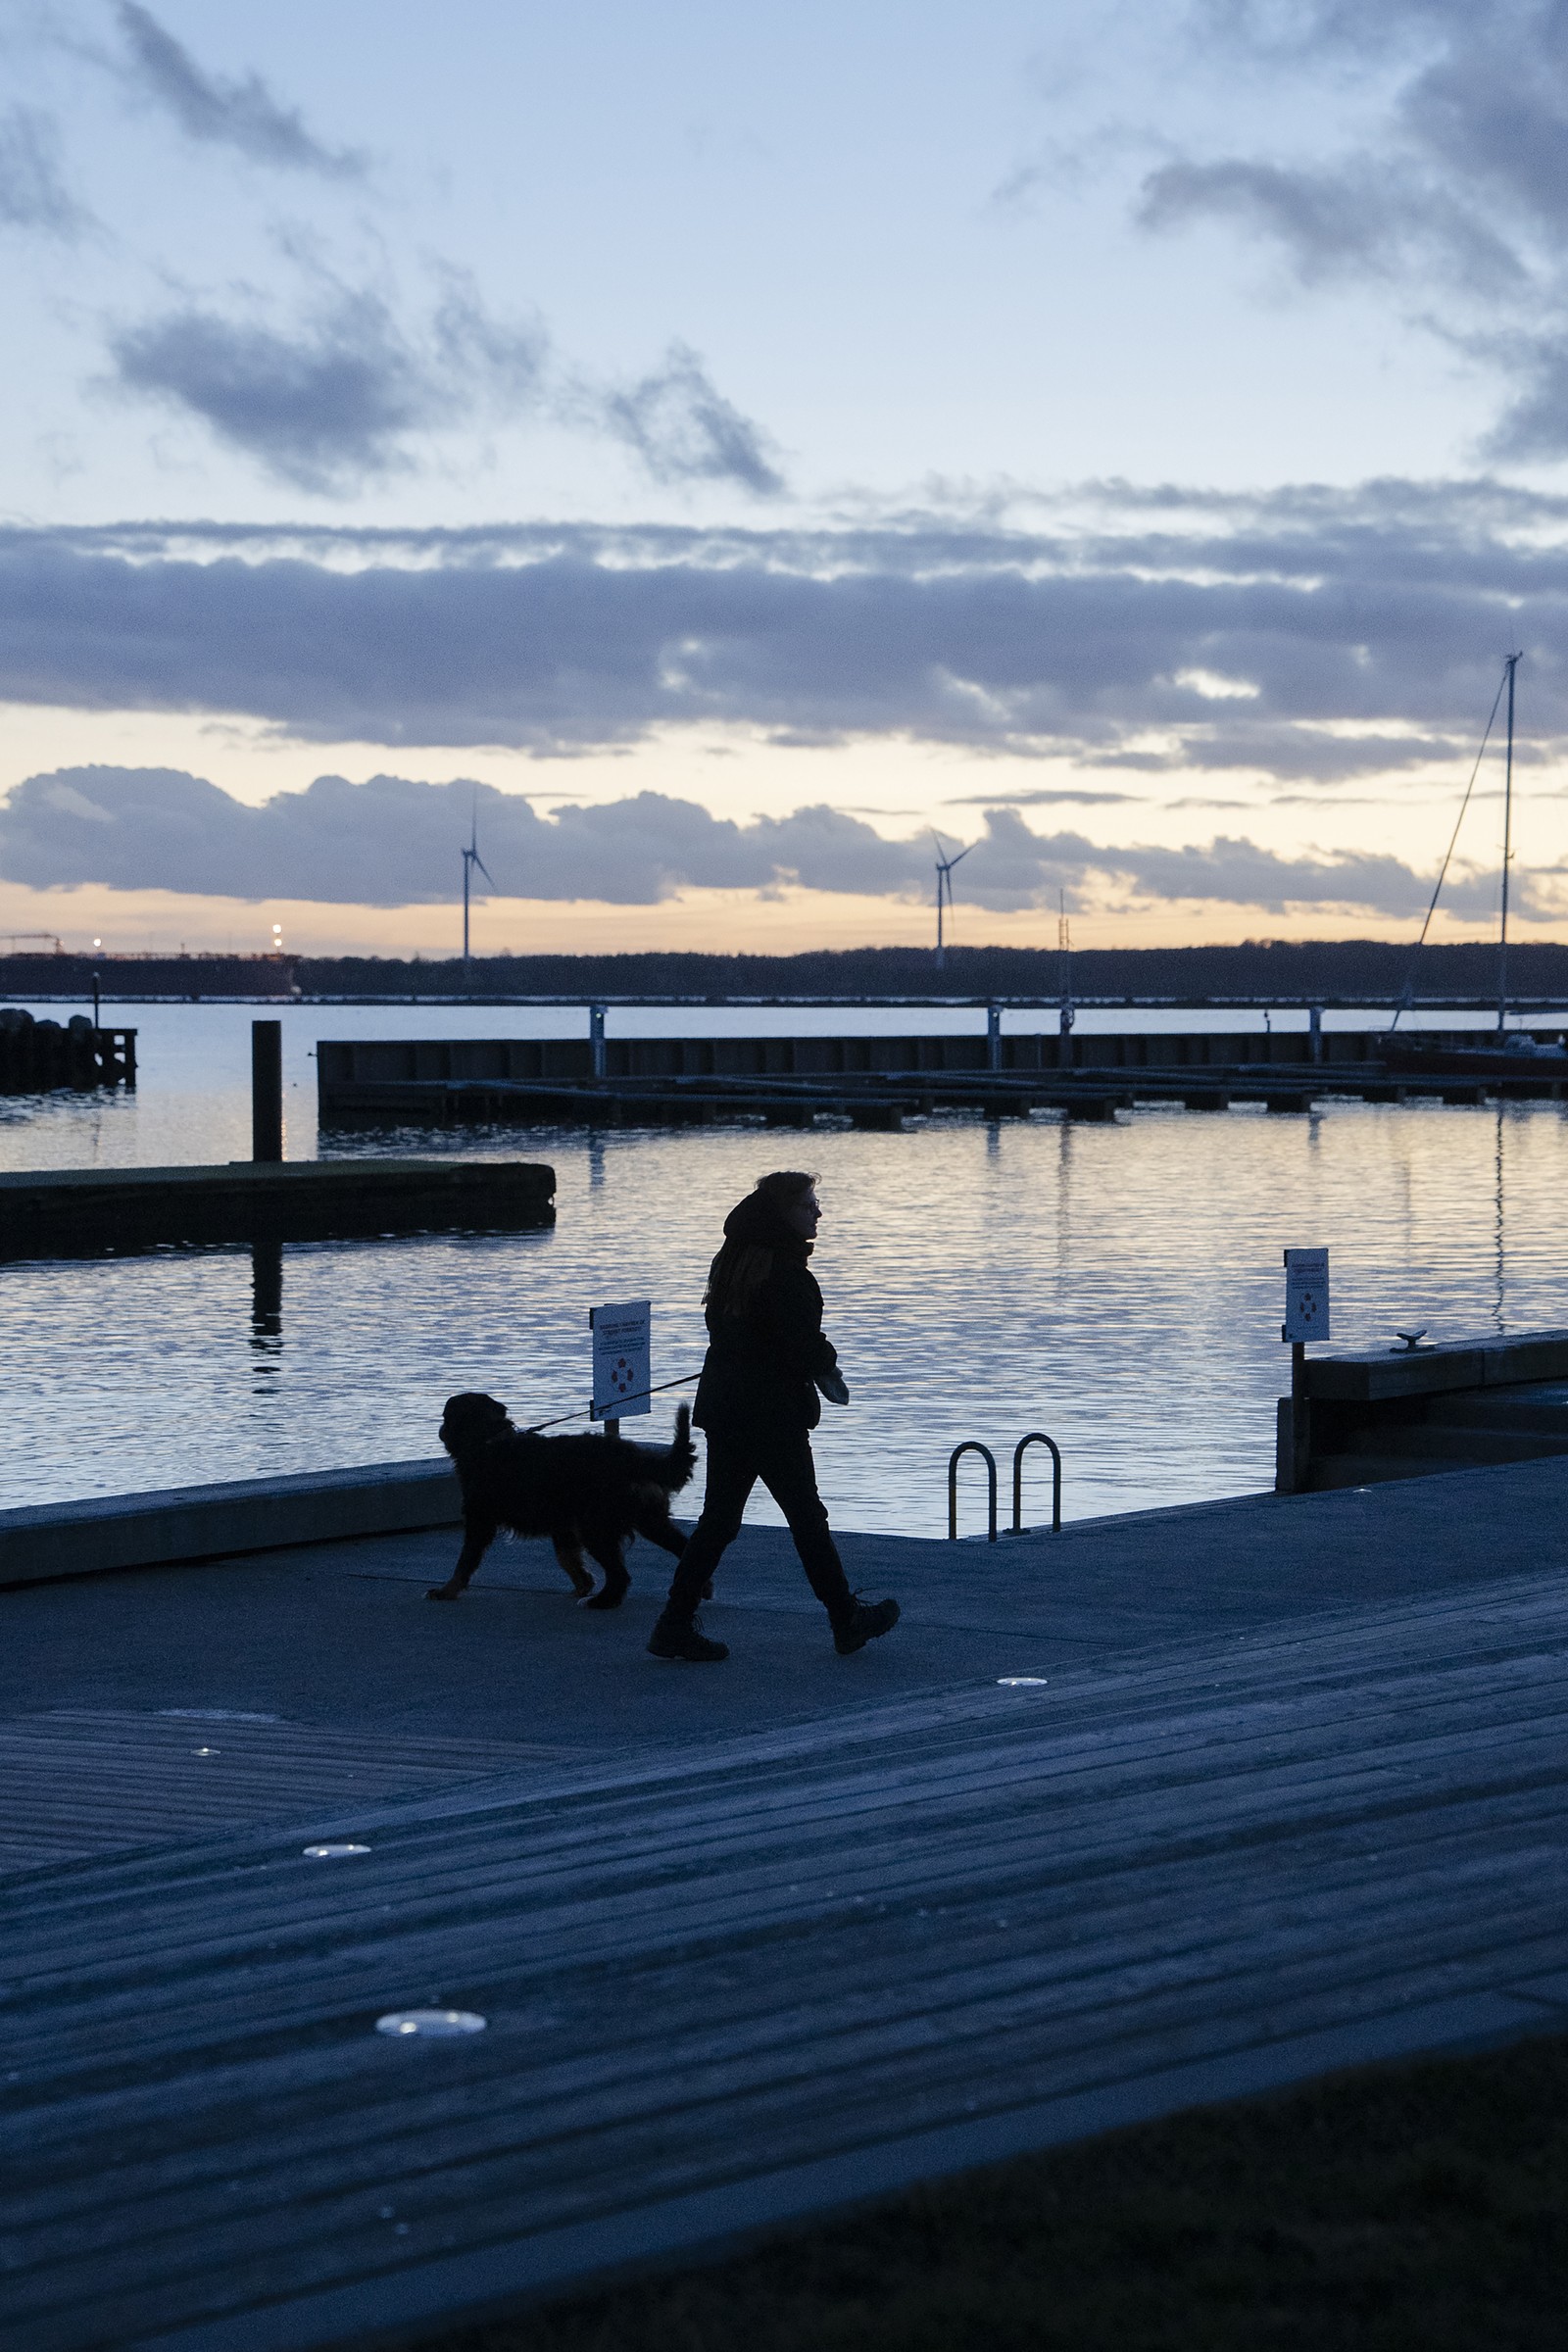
column 183, row 1525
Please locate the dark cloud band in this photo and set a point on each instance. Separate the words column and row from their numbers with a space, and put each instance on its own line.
column 1313, row 637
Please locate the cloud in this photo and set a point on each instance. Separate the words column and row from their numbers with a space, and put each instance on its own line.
column 335, row 402
column 686, row 431
column 1057, row 797
column 32, row 191
column 1451, row 188
column 1370, row 624
column 1534, row 425
column 1356, row 220
column 392, row 841
column 243, row 115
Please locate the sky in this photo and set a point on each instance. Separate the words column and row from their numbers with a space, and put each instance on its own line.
column 720, row 453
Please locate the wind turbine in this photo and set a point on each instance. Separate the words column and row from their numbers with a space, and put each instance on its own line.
column 945, row 866
column 470, row 859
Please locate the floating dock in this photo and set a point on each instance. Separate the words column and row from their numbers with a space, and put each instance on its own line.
column 873, row 1081
column 85, row 1213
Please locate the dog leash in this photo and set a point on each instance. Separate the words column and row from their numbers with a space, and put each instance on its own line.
column 587, row 1414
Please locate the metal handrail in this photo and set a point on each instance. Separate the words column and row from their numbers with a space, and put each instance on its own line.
column 971, row 1446
column 1036, row 1437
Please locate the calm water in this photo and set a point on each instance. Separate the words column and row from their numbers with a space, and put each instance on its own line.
column 1119, row 1287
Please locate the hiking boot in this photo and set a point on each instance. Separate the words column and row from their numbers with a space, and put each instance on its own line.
column 683, row 1637
column 869, row 1618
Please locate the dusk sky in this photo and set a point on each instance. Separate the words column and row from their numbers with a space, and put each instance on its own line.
column 720, row 445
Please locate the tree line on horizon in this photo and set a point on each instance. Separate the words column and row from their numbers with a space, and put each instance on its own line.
column 1294, row 970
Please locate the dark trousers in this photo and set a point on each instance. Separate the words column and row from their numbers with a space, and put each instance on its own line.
column 782, row 1460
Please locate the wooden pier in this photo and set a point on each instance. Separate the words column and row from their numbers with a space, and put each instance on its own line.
column 1162, row 1810
column 75, row 1212
column 872, row 1081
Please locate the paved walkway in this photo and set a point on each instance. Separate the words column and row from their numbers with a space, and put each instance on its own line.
column 1292, row 1792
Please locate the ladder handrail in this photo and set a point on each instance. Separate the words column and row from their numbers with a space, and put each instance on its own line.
column 1036, row 1437
column 971, row 1446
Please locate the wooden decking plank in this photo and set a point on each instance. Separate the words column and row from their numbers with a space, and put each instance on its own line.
column 1075, row 1978
column 557, row 2114
column 1041, row 1771
column 1193, row 1857
column 103, row 1781
column 782, row 2118
column 427, row 1952
column 995, row 1854
column 1399, row 1925
column 415, row 1959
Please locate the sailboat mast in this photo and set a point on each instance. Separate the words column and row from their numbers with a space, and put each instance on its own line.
column 1512, row 664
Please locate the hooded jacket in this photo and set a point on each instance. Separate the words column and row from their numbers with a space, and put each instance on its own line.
column 759, row 1373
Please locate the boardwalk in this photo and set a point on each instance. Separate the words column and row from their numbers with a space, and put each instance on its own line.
column 1293, row 1791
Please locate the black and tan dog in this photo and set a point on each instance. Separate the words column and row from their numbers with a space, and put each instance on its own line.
column 587, row 1493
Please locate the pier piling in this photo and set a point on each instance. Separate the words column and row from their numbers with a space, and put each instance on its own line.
column 267, row 1089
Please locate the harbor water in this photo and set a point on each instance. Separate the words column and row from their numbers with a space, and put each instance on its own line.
column 1119, row 1287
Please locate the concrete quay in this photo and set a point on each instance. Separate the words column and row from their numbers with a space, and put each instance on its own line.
column 1161, row 1809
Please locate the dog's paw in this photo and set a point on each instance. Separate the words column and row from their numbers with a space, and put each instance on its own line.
column 444, row 1592
column 609, row 1598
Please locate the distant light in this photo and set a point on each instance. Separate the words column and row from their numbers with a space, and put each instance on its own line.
column 97, row 943
column 1022, row 1682
column 329, row 1853
column 207, row 1751
column 433, row 2022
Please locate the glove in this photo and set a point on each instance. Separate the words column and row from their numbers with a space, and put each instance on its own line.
column 833, row 1387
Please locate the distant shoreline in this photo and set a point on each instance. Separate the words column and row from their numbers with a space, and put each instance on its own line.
column 1316, row 971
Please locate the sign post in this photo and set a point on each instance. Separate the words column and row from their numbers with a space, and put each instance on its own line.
column 1306, row 1317
column 623, row 1340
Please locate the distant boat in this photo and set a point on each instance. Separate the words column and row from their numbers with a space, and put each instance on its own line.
column 1514, row 1054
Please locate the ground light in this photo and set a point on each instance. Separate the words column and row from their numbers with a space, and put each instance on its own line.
column 1022, row 1682
column 330, row 1853
column 433, row 2022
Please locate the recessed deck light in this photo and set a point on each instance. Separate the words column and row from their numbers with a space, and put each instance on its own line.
column 330, row 1853
column 436, row 2023
column 1021, row 1681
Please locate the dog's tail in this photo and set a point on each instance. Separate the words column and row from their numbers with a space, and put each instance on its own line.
column 681, row 1460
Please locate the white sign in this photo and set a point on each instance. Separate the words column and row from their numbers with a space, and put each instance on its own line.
column 1306, row 1294
column 622, row 1360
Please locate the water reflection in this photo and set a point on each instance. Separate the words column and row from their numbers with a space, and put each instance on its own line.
column 1118, row 1286
column 1499, row 1252
column 267, row 1307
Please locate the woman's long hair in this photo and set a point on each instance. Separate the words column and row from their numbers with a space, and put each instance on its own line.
column 756, row 1236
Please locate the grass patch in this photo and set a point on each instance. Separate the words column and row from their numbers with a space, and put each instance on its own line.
column 1413, row 2208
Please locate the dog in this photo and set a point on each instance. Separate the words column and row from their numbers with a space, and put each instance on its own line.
column 587, row 1493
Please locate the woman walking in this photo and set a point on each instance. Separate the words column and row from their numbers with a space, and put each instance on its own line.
column 757, row 1401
